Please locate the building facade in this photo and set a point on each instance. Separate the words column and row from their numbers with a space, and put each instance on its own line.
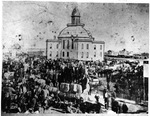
column 75, row 42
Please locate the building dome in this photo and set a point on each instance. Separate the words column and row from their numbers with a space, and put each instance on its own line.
column 75, row 31
column 75, row 12
column 75, row 28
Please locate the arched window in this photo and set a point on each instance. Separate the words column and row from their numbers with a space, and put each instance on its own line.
column 82, row 46
column 94, row 47
column 57, row 46
column 87, row 46
column 87, row 55
column 57, row 54
column 100, row 47
column 82, row 55
column 67, row 54
column 73, row 20
column 63, row 54
column 50, row 54
column 94, row 54
column 100, row 54
column 67, row 44
column 50, row 46
column 63, row 44
column 72, row 44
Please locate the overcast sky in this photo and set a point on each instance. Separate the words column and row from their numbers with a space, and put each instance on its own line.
column 120, row 26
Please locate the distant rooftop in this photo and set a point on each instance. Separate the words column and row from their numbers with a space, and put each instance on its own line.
column 99, row 42
column 52, row 40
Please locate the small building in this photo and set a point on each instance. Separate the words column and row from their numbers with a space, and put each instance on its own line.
column 124, row 52
column 112, row 53
column 75, row 42
column 35, row 52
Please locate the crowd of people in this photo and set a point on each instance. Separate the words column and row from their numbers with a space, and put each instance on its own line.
column 26, row 82
column 111, row 102
column 128, row 79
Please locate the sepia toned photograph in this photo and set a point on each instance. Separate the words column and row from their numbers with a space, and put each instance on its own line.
column 74, row 58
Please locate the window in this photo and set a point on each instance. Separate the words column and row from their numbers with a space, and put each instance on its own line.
column 82, row 46
column 50, row 54
column 75, row 46
column 63, row 54
column 100, row 47
column 54, row 37
column 94, row 47
column 67, row 54
column 63, row 44
column 87, row 46
column 94, row 54
column 57, row 46
column 87, row 55
column 72, row 44
column 67, row 44
column 57, row 54
column 50, row 46
column 100, row 54
column 82, row 55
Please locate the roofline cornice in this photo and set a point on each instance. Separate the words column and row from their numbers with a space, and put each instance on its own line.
column 97, row 42
column 77, row 37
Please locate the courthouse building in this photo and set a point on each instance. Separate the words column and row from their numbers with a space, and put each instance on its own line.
column 75, row 42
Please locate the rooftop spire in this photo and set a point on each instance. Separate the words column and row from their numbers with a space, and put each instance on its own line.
column 75, row 18
column 75, row 12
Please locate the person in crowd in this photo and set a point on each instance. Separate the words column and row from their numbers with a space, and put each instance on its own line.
column 8, row 92
column 97, row 105
column 106, row 98
column 82, row 105
column 115, row 106
column 84, row 83
column 113, row 96
column 124, row 108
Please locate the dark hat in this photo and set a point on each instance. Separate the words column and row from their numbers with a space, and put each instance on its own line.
column 96, row 97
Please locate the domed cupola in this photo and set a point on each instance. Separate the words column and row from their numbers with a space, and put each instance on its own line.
column 75, row 12
column 75, row 18
column 75, row 28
